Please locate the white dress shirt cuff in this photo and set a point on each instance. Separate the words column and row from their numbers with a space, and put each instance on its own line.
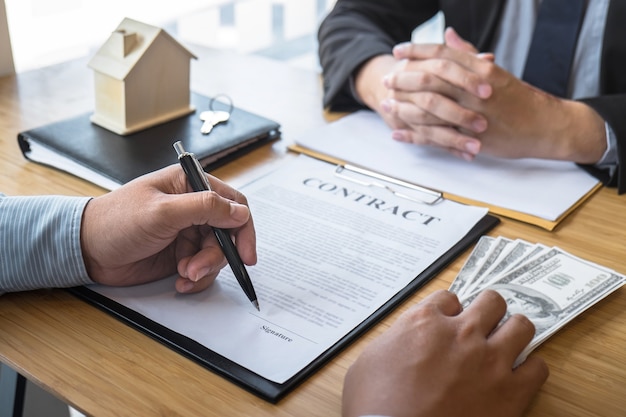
column 609, row 160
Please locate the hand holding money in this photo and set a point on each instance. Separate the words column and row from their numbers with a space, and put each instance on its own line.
column 439, row 360
column 547, row 285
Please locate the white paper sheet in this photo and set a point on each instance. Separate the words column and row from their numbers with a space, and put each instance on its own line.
column 542, row 188
column 330, row 253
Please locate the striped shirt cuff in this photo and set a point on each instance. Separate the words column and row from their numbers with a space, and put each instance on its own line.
column 40, row 242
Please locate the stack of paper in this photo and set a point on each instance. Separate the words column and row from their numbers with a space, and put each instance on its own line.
column 540, row 192
column 547, row 285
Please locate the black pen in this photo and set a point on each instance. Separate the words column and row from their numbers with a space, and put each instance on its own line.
column 198, row 180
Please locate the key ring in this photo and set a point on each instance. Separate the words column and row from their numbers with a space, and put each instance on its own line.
column 229, row 102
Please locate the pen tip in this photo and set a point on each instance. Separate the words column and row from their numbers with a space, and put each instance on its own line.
column 256, row 304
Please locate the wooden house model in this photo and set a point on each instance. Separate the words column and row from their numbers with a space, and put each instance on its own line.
column 141, row 77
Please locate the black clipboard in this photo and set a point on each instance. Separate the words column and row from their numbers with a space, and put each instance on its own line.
column 252, row 382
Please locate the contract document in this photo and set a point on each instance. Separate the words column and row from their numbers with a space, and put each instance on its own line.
column 331, row 253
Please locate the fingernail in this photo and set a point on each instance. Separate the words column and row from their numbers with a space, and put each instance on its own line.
column 186, row 286
column 387, row 80
column 387, row 105
column 473, row 147
column 487, row 56
column 239, row 211
column 398, row 135
column 401, row 48
column 201, row 274
column 479, row 125
column 468, row 156
column 484, row 90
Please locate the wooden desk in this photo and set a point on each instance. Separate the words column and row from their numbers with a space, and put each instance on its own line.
column 104, row 368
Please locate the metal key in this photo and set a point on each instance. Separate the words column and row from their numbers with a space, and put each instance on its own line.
column 212, row 118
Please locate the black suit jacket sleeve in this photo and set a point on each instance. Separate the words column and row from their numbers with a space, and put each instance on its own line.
column 611, row 104
column 357, row 30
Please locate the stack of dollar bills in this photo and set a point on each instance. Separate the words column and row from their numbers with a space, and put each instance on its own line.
column 546, row 284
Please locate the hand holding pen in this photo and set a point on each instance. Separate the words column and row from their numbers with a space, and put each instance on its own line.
column 198, row 180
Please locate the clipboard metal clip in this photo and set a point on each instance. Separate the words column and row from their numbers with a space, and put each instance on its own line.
column 431, row 197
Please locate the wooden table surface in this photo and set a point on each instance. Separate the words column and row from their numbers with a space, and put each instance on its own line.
column 105, row 368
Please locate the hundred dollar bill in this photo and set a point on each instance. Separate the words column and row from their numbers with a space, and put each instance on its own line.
column 536, row 251
column 472, row 263
column 509, row 257
column 496, row 253
column 551, row 290
column 514, row 255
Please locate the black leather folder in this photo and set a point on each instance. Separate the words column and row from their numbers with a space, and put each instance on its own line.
column 86, row 150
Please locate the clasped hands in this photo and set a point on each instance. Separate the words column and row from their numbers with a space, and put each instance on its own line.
column 452, row 97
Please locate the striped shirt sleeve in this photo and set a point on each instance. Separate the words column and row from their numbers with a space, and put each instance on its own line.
column 40, row 242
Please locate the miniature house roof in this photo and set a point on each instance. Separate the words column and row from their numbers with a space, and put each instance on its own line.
column 125, row 47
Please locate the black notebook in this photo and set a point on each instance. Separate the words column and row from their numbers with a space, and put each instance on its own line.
column 86, row 150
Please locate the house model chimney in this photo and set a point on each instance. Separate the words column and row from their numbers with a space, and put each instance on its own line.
column 122, row 43
column 141, row 78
